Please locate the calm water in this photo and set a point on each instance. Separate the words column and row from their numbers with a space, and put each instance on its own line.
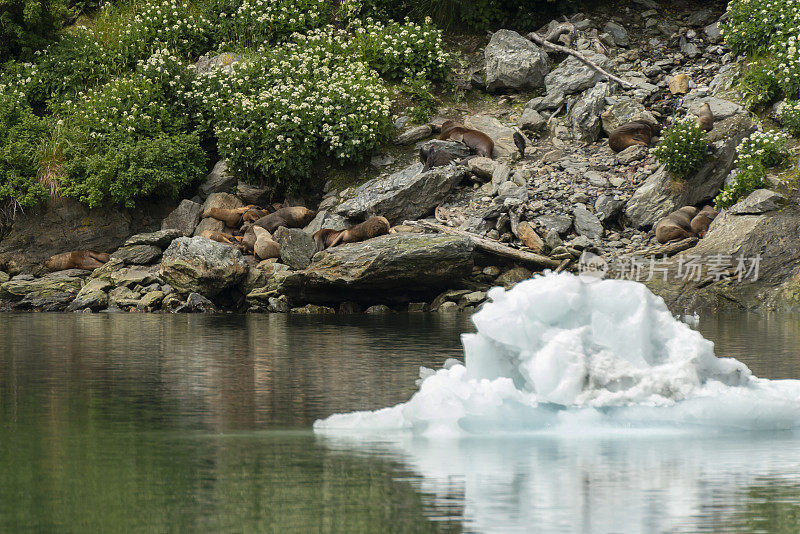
column 161, row 423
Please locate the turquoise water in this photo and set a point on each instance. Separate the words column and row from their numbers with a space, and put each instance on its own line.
column 161, row 423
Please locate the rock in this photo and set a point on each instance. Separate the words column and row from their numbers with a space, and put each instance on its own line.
column 721, row 108
column 622, row 111
column 68, row 281
column 172, row 302
column 221, row 62
column 511, row 190
column 586, row 224
column 660, row 194
column 217, row 200
column 381, row 160
column 297, row 247
column 378, row 309
column 408, row 194
column 448, row 307
column 500, row 176
column 532, row 121
column 572, row 76
column 559, row 223
column 701, row 17
column 218, row 181
column 585, row 114
column 92, row 296
column 619, row 33
column 251, row 194
column 160, row 239
column 472, row 299
column 391, row 268
column 184, row 218
column 196, row 264
column 123, row 297
column 196, row 303
column 415, row 134
column 546, row 102
column 418, row 307
column 151, row 300
column 129, row 276
column 259, row 275
column 688, row 48
column 278, row 305
column 4, row 277
column 758, row 202
column 678, row 84
column 529, row 237
column 513, row 276
column 552, row 239
column 503, row 136
column 457, row 150
column 313, row 309
column 607, row 208
column 138, row 254
column 713, row 33
column 48, row 303
column 513, row 62
column 326, row 219
column 631, row 154
column 483, row 168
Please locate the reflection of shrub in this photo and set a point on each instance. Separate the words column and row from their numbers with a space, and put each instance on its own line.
column 683, row 147
column 21, row 133
column 755, row 155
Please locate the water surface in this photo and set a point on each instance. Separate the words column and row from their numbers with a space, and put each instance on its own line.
column 158, row 423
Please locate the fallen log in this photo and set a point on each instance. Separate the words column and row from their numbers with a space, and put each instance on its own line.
column 536, row 38
column 492, row 247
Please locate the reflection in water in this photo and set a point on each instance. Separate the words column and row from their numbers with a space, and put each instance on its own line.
column 194, row 423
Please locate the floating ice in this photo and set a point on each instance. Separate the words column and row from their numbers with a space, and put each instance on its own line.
column 561, row 354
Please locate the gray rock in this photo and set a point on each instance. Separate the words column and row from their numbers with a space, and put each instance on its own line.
column 713, row 33
column 252, row 194
column 92, row 295
column 631, row 154
column 20, row 286
column 218, row 181
column 326, row 219
column 123, row 296
column 151, row 300
column 196, row 303
column 552, row 100
column 559, row 223
column 138, row 254
column 500, row 176
column 619, row 33
column 532, row 121
column 622, row 111
column 508, row 190
column 586, row 224
column 503, row 136
column 408, row 194
column 4, row 277
column 297, row 247
column 413, row 135
column 721, row 108
column 129, row 276
column 758, row 202
column 513, row 62
column 483, row 168
column 572, row 76
column 160, row 239
column 689, row 48
column 660, row 194
column 184, row 218
column 217, row 200
column 392, row 268
column 195, row 264
column 513, row 276
column 456, row 150
column 606, row 207
column 221, row 62
column 701, row 17
column 378, row 309
column 585, row 114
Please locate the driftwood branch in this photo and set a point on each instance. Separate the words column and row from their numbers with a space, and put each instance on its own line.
column 669, row 249
column 536, row 38
column 492, row 247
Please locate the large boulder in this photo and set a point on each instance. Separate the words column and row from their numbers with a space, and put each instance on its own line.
column 661, row 194
column 219, row 180
column 197, row 264
column 392, row 268
column 585, row 114
column 513, row 62
column 184, row 218
column 325, row 219
column 622, row 111
column 721, row 108
column 503, row 136
column 137, row 254
column 297, row 247
column 222, row 201
column 160, row 239
column 758, row 202
column 67, row 281
column 573, row 76
column 407, row 194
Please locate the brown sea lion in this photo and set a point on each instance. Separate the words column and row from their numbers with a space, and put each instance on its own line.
column 705, row 119
column 521, row 143
column 294, row 217
column 476, row 140
column 219, row 237
column 632, row 133
column 676, row 225
column 231, row 217
column 372, row 227
column 77, row 259
column 265, row 247
column 702, row 221
column 323, row 238
column 255, row 214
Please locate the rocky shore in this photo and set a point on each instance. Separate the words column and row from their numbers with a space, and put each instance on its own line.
column 568, row 194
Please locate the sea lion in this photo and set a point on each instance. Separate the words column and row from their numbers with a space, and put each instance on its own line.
column 231, row 217
column 676, row 225
column 77, row 259
column 219, row 237
column 372, row 227
column 476, row 140
column 521, row 143
column 702, row 221
column 265, row 247
column 294, row 217
column 705, row 119
column 323, row 238
column 632, row 133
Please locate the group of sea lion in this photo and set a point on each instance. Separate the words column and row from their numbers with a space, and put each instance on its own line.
column 641, row 132
column 685, row 222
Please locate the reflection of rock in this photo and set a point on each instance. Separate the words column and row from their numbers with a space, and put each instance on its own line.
column 196, row 264
column 514, row 62
column 387, row 268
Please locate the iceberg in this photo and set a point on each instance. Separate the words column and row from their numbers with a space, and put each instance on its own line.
column 565, row 354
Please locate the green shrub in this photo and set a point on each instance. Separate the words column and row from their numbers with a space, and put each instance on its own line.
column 418, row 91
column 27, row 25
column 21, row 133
column 683, row 147
column 755, row 155
column 759, row 85
column 790, row 117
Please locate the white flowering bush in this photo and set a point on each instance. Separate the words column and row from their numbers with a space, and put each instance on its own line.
column 790, row 117
column 752, row 25
column 251, row 23
column 755, row 155
column 683, row 147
